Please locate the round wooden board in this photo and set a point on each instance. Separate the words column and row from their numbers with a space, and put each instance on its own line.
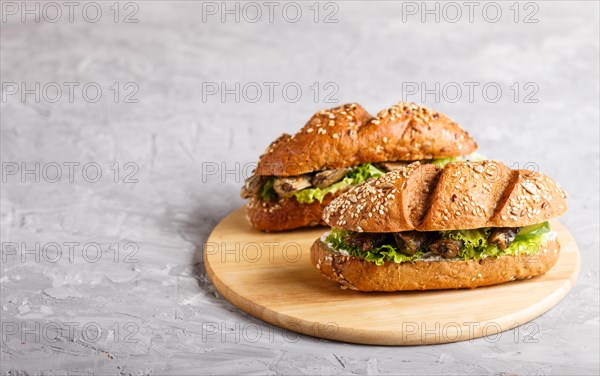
column 269, row 276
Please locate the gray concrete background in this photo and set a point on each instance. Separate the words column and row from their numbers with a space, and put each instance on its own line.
column 154, row 308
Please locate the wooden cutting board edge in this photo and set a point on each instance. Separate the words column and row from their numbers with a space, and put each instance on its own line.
column 381, row 337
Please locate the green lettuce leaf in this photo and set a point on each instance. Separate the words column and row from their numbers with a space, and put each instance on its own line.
column 527, row 242
column 378, row 255
column 267, row 193
column 529, row 239
column 475, row 242
column 441, row 162
column 475, row 157
column 354, row 177
column 476, row 246
column 533, row 231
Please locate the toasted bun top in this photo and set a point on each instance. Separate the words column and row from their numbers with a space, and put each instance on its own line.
column 347, row 135
column 463, row 195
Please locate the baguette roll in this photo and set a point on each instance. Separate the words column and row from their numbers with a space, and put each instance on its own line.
column 343, row 138
column 425, row 227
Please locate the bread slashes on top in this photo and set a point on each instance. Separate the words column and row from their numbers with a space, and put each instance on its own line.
column 461, row 196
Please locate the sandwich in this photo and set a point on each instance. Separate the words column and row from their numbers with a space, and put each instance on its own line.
column 298, row 175
column 423, row 227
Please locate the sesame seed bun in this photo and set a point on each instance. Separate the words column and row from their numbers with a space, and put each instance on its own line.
column 347, row 136
column 361, row 275
column 462, row 195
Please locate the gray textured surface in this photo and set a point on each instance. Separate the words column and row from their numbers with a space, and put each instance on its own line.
column 164, row 299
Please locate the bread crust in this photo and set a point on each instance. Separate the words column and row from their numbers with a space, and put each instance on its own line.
column 348, row 135
column 286, row 213
column 531, row 196
column 464, row 195
column 356, row 274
